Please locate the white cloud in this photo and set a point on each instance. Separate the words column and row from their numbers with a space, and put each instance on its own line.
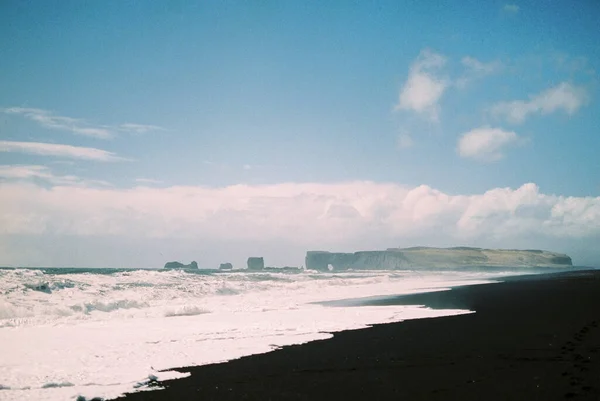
column 405, row 141
column 291, row 216
column 565, row 97
column 332, row 213
column 486, row 143
column 23, row 171
column 20, row 172
column 480, row 67
column 138, row 128
column 511, row 8
column 476, row 69
column 59, row 150
column 424, row 87
column 47, row 119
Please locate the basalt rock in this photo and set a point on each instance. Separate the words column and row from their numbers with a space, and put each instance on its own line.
column 256, row 263
column 178, row 265
column 225, row 266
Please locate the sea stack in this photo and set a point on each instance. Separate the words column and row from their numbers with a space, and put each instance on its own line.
column 179, row 265
column 256, row 263
column 225, row 266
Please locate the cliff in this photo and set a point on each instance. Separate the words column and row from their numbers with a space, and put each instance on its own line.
column 178, row 265
column 424, row 257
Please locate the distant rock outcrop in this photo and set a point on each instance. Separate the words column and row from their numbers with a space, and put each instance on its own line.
column 225, row 266
column 256, row 263
column 283, row 269
column 424, row 257
column 178, row 265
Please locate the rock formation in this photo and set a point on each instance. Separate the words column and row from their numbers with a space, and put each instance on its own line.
column 225, row 266
column 424, row 257
column 256, row 263
column 178, row 265
column 283, row 269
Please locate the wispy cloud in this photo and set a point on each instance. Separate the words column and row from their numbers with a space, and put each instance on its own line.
column 59, row 150
column 22, row 172
column 77, row 126
column 486, row 144
column 424, row 86
column 570, row 64
column 565, row 97
column 476, row 69
column 48, row 120
column 138, row 128
column 511, row 8
column 480, row 67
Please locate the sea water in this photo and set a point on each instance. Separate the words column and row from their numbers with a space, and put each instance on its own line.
column 68, row 333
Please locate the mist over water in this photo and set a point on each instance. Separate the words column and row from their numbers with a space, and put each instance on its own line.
column 70, row 332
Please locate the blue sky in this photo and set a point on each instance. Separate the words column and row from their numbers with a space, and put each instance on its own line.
column 295, row 99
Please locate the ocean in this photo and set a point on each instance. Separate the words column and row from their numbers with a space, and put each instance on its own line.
column 68, row 334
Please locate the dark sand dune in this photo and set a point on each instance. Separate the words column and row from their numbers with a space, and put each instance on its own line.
column 531, row 339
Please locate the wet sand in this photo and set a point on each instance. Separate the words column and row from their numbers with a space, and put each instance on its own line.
column 533, row 338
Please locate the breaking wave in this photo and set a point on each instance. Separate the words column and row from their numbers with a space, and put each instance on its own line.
column 108, row 306
column 186, row 311
column 99, row 333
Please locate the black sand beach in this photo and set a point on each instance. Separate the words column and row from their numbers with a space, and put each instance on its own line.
column 531, row 339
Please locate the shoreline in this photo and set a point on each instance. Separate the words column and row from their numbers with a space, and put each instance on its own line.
column 534, row 337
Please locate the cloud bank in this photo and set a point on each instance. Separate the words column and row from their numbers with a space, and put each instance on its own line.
column 349, row 215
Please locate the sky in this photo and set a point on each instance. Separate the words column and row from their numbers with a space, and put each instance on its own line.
column 135, row 133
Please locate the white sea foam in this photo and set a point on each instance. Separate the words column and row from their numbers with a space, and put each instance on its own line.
column 101, row 335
